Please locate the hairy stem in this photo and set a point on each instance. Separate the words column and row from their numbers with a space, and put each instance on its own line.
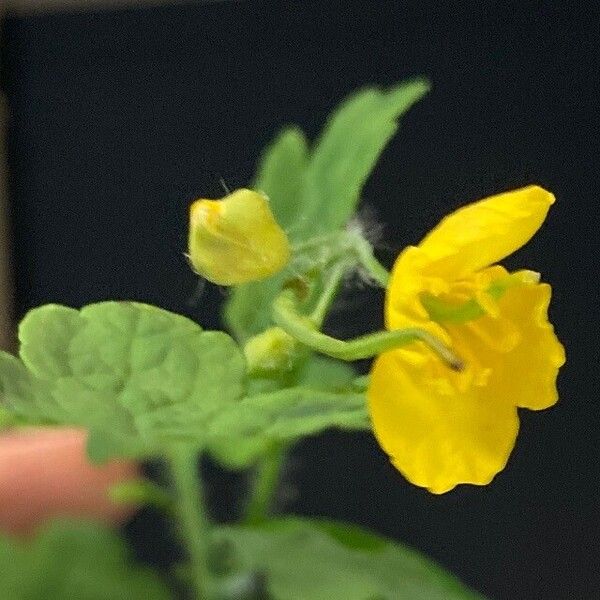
column 330, row 288
column 369, row 262
column 194, row 523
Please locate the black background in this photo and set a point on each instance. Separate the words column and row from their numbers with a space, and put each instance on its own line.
column 119, row 119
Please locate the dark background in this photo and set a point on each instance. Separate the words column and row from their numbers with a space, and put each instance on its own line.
column 119, row 119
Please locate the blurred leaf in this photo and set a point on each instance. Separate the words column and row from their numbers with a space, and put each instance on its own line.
column 313, row 560
column 68, row 561
column 241, row 435
column 7, row 419
column 319, row 194
column 137, row 376
column 323, row 373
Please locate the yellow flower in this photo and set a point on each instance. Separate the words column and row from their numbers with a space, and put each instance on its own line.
column 236, row 240
column 441, row 427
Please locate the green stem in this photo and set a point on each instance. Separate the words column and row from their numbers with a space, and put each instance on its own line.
column 364, row 253
column 193, row 520
column 315, row 242
column 286, row 315
column 265, row 485
column 330, row 290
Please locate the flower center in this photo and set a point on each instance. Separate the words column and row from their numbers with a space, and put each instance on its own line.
column 470, row 299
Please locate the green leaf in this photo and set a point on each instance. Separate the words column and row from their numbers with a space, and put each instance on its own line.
column 347, row 151
column 247, row 310
column 241, row 435
column 137, row 376
column 69, row 560
column 312, row 560
column 323, row 373
column 280, row 175
column 318, row 195
column 6, row 418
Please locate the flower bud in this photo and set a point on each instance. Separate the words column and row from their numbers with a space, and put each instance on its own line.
column 270, row 351
column 236, row 240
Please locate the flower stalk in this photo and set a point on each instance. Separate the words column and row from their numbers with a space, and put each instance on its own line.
column 193, row 520
column 303, row 329
column 264, row 486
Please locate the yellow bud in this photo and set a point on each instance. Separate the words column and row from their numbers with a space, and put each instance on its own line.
column 236, row 240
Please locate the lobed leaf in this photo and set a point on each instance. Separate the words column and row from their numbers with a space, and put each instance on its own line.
column 242, row 434
column 142, row 379
column 311, row 560
column 137, row 376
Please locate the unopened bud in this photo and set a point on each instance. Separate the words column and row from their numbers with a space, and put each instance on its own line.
column 236, row 240
column 270, row 351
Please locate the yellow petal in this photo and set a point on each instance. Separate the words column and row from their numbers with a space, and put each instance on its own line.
column 236, row 240
column 484, row 232
column 436, row 436
column 403, row 307
column 525, row 375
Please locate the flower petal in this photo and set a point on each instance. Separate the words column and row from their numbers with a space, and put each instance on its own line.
column 524, row 375
column 437, row 436
column 485, row 232
column 403, row 307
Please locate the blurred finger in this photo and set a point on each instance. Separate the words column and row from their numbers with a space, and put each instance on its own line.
column 44, row 473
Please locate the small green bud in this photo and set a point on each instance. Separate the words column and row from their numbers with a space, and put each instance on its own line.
column 270, row 351
column 236, row 240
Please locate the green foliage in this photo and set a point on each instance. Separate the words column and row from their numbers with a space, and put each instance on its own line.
column 243, row 434
column 347, row 151
column 141, row 492
column 74, row 560
column 323, row 397
column 322, row 373
column 288, row 154
column 7, row 419
column 317, row 193
column 140, row 378
column 149, row 383
column 312, row 560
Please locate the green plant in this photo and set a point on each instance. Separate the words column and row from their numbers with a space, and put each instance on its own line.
column 149, row 384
